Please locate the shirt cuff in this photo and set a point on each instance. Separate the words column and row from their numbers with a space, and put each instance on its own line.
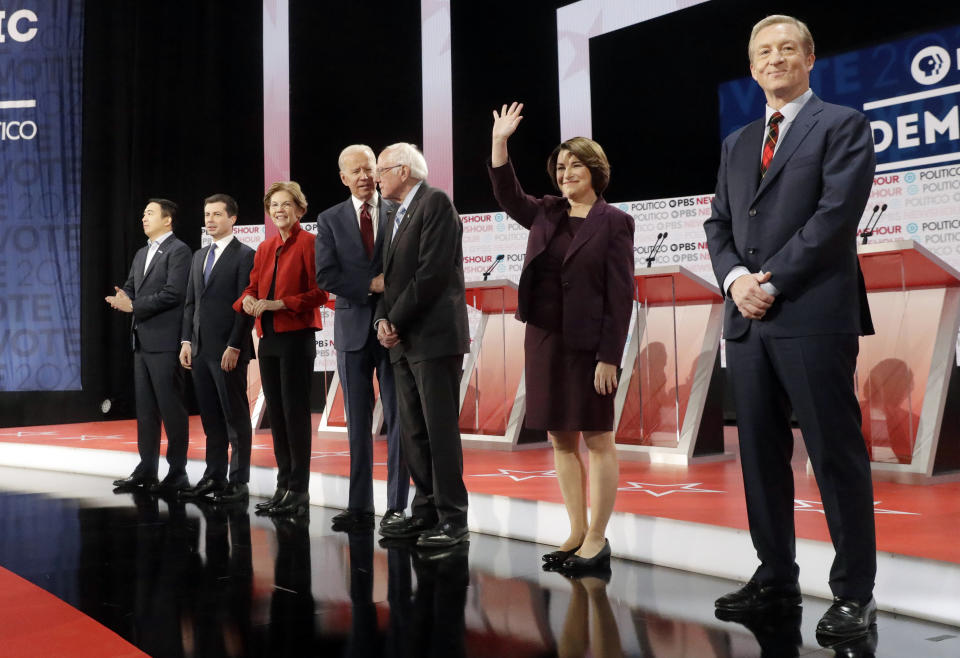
column 732, row 276
column 769, row 288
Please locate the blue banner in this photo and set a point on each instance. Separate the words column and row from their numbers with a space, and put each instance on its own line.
column 909, row 89
column 41, row 64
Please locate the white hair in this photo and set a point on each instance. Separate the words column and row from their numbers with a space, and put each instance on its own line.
column 355, row 148
column 403, row 153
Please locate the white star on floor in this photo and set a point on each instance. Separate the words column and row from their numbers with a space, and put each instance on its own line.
column 690, row 487
column 817, row 506
column 22, row 434
column 321, row 454
column 90, row 437
column 524, row 475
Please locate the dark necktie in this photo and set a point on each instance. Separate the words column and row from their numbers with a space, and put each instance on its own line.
column 208, row 267
column 770, row 143
column 366, row 229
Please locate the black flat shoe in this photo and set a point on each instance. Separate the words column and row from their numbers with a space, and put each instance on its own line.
column 293, row 503
column 598, row 563
column 557, row 558
column 847, row 618
column 276, row 498
column 756, row 597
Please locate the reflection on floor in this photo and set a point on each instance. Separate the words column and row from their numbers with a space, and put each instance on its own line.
column 180, row 579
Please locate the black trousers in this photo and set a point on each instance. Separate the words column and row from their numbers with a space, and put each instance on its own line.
column 813, row 375
column 225, row 413
column 159, row 391
column 286, row 380
column 428, row 398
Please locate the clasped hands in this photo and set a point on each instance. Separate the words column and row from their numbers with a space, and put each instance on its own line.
column 257, row 307
column 752, row 301
column 120, row 301
column 387, row 334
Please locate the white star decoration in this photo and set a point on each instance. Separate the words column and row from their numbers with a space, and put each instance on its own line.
column 523, row 475
column 817, row 506
column 648, row 488
column 21, row 434
column 321, row 454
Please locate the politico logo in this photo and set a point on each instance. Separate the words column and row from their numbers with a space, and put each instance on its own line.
column 930, row 65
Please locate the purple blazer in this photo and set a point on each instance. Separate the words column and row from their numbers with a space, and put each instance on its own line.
column 597, row 272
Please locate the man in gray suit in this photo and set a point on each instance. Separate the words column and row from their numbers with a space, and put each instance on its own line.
column 216, row 346
column 422, row 319
column 153, row 294
column 349, row 260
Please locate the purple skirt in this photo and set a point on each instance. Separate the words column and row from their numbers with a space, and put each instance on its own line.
column 559, row 383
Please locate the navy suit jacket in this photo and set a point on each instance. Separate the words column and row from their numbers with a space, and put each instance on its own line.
column 799, row 223
column 158, row 295
column 424, row 295
column 209, row 321
column 344, row 269
column 597, row 272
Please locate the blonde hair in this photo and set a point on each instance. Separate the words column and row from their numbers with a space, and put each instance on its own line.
column 805, row 37
column 290, row 187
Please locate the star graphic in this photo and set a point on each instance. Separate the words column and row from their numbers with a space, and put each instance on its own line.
column 645, row 487
column 524, row 475
column 22, row 434
column 817, row 506
column 89, row 437
column 321, row 454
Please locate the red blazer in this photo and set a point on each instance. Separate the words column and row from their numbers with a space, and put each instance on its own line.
column 597, row 272
column 296, row 281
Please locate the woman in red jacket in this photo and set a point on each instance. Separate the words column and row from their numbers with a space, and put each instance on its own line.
column 576, row 296
column 284, row 298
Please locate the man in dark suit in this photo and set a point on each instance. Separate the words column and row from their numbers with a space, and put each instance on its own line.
column 422, row 319
column 349, row 258
column 216, row 346
column 154, row 294
column 790, row 192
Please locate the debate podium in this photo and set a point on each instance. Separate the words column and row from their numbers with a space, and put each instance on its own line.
column 906, row 380
column 492, row 392
column 669, row 406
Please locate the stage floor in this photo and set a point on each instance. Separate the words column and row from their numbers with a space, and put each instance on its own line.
column 664, row 514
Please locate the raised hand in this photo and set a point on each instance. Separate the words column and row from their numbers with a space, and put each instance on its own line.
column 504, row 124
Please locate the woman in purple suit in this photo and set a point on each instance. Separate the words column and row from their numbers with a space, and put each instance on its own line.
column 576, row 296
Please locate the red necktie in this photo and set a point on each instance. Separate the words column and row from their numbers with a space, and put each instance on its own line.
column 770, row 143
column 366, row 229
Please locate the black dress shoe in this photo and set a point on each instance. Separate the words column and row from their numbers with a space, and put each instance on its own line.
column 293, row 503
column 846, row 618
column 409, row 528
column 756, row 597
column 857, row 646
column 461, row 549
column 777, row 630
column 170, row 485
column 234, row 492
column 392, row 517
column 444, row 535
column 276, row 498
column 555, row 559
column 597, row 564
column 350, row 519
column 205, row 487
column 135, row 480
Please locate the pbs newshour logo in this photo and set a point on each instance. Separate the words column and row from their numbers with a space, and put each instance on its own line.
column 930, row 65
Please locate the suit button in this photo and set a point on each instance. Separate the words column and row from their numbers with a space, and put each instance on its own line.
column 753, row 212
column 751, row 251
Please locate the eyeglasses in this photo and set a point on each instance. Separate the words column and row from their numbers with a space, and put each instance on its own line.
column 379, row 171
column 286, row 205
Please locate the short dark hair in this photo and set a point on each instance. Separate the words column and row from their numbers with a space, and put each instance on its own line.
column 167, row 209
column 226, row 200
column 590, row 154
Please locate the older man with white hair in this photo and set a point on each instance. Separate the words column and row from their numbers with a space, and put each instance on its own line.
column 422, row 319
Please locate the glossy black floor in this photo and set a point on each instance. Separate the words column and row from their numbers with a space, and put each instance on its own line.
column 188, row 580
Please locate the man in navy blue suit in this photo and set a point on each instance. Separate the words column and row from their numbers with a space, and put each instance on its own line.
column 349, row 259
column 216, row 346
column 791, row 190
